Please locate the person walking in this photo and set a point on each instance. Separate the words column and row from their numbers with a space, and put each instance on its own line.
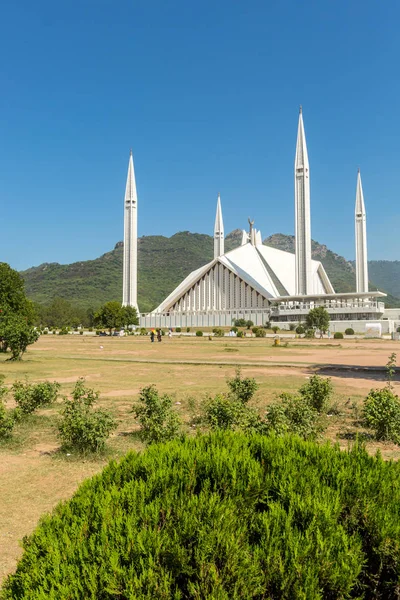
column 152, row 335
column 158, row 335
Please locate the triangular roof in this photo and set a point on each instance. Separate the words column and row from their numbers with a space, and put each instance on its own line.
column 269, row 271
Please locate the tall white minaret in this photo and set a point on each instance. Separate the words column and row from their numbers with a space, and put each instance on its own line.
column 302, row 213
column 129, row 296
column 361, row 239
column 219, row 231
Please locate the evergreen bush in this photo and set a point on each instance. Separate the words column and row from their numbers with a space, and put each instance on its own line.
column 349, row 331
column 338, row 335
column 239, row 334
column 157, row 419
column 261, row 333
column 187, row 329
column 199, row 333
column 218, row 332
column 275, row 328
column 81, row 428
column 31, row 396
column 224, row 516
column 235, row 329
column 178, row 330
column 300, row 329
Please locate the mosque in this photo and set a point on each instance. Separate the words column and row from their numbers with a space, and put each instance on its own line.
column 257, row 282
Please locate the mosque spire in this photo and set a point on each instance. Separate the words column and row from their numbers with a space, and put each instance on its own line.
column 219, row 231
column 129, row 295
column 361, row 239
column 302, row 213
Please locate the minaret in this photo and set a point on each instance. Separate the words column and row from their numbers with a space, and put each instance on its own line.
column 361, row 239
column 302, row 213
column 129, row 296
column 219, row 231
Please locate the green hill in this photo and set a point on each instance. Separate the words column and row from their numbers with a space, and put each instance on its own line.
column 162, row 264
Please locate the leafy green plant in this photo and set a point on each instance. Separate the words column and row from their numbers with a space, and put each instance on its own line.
column 224, row 411
column 294, row 414
column 275, row 328
column 381, row 412
column 261, row 333
column 225, row 515
column 242, row 388
column 31, row 396
column 158, row 421
column 249, row 324
column 240, row 322
column 81, row 428
column 338, row 335
column 187, row 329
column 218, row 332
column 292, row 326
column 178, row 329
column 317, row 392
column 300, row 329
column 16, row 334
column 254, row 330
column 349, row 331
column 199, row 333
column 239, row 334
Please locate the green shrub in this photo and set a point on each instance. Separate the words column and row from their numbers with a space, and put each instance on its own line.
column 294, row 414
column 31, row 396
column 45, row 331
column 218, row 332
column 54, row 332
column 398, row 330
column 224, row 516
column 261, row 333
column 90, row 329
column 300, row 329
column 275, row 328
column 157, row 419
column 7, row 417
column 178, row 329
column 63, row 331
column 267, row 325
column 381, row 412
column 81, row 428
column 349, row 331
column 239, row 334
column 254, row 330
column 199, row 333
column 317, row 392
column 235, row 329
column 187, row 329
column 81, row 332
column 224, row 411
column 292, row 326
column 249, row 324
column 240, row 322
column 242, row 388
column 310, row 333
column 97, row 331
column 338, row 335
column 143, row 331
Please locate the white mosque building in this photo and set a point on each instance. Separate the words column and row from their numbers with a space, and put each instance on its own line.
column 257, row 282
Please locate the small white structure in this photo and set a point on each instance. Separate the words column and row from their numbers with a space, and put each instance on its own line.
column 373, row 330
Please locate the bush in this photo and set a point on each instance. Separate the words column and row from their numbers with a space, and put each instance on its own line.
column 226, row 412
column 31, row 396
column 381, row 412
column 218, row 332
column 45, row 331
column 275, row 328
column 158, row 421
column 54, row 332
column 239, row 334
column 254, row 330
column 199, row 333
column 267, row 325
column 187, row 329
column 240, row 322
column 242, row 388
column 261, row 333
column 97, row 331
column 63, row 331
column 178, row 329
column 398, row 330
column 90, row 329
column 235, row 329
column 292, row 326
column 310, row 333
column 222, row 516
column 7, row 417
column 249, row 324
column 317, row 392
column 349, row 331
column 294, row 414
column 300, row 329
column 143, row 331
column 81, row 332
column 81, row 428
column 338, row 335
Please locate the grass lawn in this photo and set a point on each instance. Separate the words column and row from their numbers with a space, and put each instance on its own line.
column 34, row 475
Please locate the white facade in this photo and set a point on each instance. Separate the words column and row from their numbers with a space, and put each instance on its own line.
column 361, row 239
column 129, row 295
column 248, row 277
column 302, row 214
column 219, row 238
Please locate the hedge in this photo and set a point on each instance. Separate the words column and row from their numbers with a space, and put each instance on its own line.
column 222, row 516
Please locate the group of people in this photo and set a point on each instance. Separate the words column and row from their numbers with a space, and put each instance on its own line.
column 158, row 333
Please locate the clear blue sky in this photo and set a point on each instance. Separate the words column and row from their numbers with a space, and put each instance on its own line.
column 207, row 95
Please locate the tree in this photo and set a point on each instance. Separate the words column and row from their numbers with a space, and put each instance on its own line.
column 130, row 316
column 16, row 334
column 318, row 318
column 12, row 294
column 110, row 316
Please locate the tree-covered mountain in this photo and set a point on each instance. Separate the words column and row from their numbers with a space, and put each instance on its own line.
column 162, row 264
